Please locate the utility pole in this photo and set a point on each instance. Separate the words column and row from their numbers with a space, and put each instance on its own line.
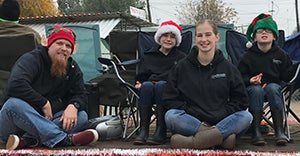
column 149, row 12
column 297, row 16
column 272, row 8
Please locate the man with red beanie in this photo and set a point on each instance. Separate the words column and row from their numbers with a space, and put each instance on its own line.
column 45, row 98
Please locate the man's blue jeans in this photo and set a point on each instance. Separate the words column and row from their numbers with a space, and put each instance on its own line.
column 151, row 93
column 179, row 122
column 257, row 95
column 19, row 118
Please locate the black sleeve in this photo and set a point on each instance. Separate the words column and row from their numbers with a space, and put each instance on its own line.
column 143, row 72
column 24, row 72
column 171, row 94
column 78, row 92
column 238, row 94
column 244, row 71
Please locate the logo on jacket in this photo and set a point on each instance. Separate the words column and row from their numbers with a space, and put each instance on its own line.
column 276, row 61
column 217, row 76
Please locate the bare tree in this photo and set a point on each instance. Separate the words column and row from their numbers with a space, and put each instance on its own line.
column 97, row 6
column 70, row 6
column 193, row 11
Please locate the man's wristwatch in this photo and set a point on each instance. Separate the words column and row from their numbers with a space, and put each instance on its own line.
column 76, row 105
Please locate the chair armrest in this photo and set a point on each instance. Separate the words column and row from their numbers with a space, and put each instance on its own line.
column 108, row 62
column 296, row 74
column 129, row 62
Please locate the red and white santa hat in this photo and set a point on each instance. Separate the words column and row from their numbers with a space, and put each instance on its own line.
column 169, row 27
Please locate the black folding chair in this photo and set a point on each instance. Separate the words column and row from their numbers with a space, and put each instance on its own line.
column 132, row 96
column 236, row 47
column 12, row 47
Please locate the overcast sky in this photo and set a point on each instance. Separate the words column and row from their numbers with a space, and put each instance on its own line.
column 283, row 11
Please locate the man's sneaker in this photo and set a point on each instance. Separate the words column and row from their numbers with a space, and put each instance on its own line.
column 81, row 138
column 15, row 142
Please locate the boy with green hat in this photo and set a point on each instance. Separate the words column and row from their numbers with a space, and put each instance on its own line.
column 261, row 21
column 265, row 68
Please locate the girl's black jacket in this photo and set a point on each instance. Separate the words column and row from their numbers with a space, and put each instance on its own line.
column 30, row 80
column 210, row 93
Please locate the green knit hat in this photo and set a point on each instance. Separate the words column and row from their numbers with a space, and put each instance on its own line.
column 262, row 21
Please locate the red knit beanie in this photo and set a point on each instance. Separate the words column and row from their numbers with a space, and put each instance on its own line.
column 60, row 32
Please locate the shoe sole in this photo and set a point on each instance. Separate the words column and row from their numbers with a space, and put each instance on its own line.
column 12, row 142
column 152, row 142
column 259, row 143
column 139, row 142
column 281, row 143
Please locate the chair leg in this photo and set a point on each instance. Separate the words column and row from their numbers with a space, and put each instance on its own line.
column 105, row 110
column 131, row 117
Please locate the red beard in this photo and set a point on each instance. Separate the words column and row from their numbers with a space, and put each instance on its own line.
column 59, row 66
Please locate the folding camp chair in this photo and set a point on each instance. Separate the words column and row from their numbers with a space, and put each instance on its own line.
column 12, row 47
column 236, row 47
column 132, row 95
column 292, row 47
